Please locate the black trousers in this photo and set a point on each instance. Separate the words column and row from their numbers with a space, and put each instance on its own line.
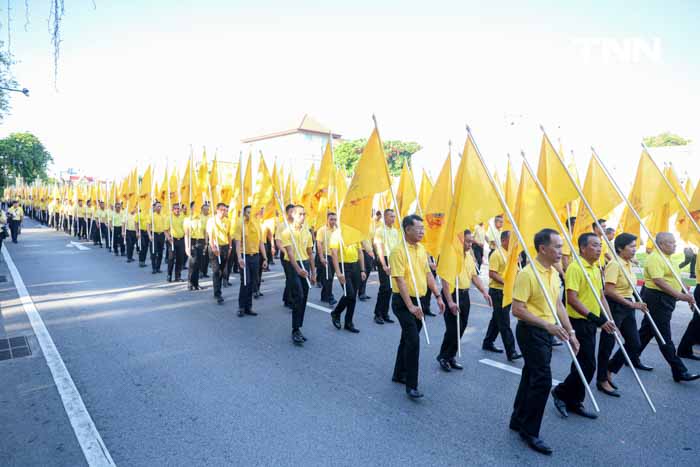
column 381, row 309
column 326, row 283
column 105, row 234
column 347, row 302
column 145, row 246
column 231, row 262
column 692, row 333
column 369, row 267
column 689, row 260
column 425, row 299
column 268, row 251
column 118, row 241
column 204, row 265
column 626, row 322
column 245, row 291
column 408, row 353
column 500, row 323
column 157, row 251
column 82, row 228
column 196, row 258
column 661, row 308
column 572, row 391
column 95, row 232
column 448, row 349
column 288, row 271
column 478, row 255
column 536, row 379
column 217, row 268
column 176, row 257
column 130, row 243
column 298, row 295
column 14, row 229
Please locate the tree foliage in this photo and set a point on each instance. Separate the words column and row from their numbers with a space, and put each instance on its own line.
column 6, row 81
column 665, row 139
column 23, row 155
column 348, row 153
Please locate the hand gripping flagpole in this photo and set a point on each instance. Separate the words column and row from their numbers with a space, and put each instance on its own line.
column 538, row 278
column 593, row 288
column 405, row 246
column 646, row 230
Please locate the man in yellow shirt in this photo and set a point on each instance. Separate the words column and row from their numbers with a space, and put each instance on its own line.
column 405, row 300
column 101, row 219
column 116, row 222
column 159, row 224
column 386, row 240
column 349, row 263
column 268, row 231
column 15, row 215
column 586, row 317
column 692, row 333
column 500, row 317
column 281, row 227
column 176, row 243
column 324, row 262
column 131, row 230
column 536, row 325
column 661, row 291
column 195, row 245
column 450, row 293
column 250, row 259
column 218, row 235
column 298, row 253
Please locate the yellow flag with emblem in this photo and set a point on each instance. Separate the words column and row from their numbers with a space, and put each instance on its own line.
column 601, row 195
column 437, row 208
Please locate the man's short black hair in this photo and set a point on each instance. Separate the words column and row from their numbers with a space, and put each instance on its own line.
column 600, row 221
column 583, row 239
column 410, row 220
column 288, row 207
column 505, row 234
column 570, row 222
column 467, row 232
column 499, row 216
column 624, row 239
column 387, row 210
column 247, row 206
column 221, row 205
column 544, row 238
column 330, row 213
column 609, row 230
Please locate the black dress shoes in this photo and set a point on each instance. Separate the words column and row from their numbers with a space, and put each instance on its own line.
column 514, row 356
column 241, row 313
column 454, row 365
column 685, row 377
column 428, row 313
column 387, row 319
column 297, row 339
column 643, row 367
column 581, row 411
column 444, row 364
column 332, row 301
column 378, row 320
column 335, row 320
column 491, row 348
column 364, row 297
column 398, row 379
column 602, row 389
column 251, row 313
column 352, row 329
column 560, row 405
column 536, row 444
column 220, row 300
column 414, row 393
column 689, row 356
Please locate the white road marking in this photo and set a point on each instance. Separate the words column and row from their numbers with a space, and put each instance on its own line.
column 78, row 246
column 508, row 368
column 94, row 449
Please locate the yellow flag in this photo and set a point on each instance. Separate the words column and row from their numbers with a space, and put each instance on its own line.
column 531, row 215
column 371, row 177
column 324, row 172
column 406, row 192
column 437, row 208
column 263, row 197
column 145, row 191
column 186, row 189
column 552, row 174
column 214, row 182
column 426, row 189
column 601, row 195
column 247, row 184
column 475, row 200
column 162, row 192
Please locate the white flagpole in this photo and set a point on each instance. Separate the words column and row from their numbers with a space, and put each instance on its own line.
column 240, row 171
column 337, row 208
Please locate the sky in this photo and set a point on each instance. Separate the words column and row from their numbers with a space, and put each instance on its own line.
column 140, row 82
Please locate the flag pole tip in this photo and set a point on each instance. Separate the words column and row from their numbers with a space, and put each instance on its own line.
column 542, row 128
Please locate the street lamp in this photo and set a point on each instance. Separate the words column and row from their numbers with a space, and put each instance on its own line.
column 24, row 91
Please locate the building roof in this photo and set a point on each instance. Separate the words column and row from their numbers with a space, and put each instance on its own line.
column 308, row 124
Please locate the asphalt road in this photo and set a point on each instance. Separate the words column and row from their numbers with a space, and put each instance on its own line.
column 171, row 378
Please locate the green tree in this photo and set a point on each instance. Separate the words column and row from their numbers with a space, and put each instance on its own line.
column 23, row 155
column 665, row 139
column 6, row 81
column 348, row 153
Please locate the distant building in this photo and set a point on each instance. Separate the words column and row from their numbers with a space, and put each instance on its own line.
column 296, row 147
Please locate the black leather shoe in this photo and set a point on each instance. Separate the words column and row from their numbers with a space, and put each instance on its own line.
column 170, row 278
column 352, row 329
column 581, row 411
column 685, row 377
column 303, row 337
column 602, row 389
column 220, row 300
column 241, row 313
column 251, row 313
column 378, row 320
column 399, row 380
column 560, row 405
column 190, row 287
column 491, row 348
column 428, row 313
column 335, row 319
column 689, row 356
column 444, row 364
column 536, row 444
column 414, row 393
column 142, row 265
column 297, row 339
column 387, row 319
column 643, row 367
column 130, row 260
column 514, row 426
column 332, row 301
column 256, row 295
column 454, row 365
column 514, row 356
column 364, row 297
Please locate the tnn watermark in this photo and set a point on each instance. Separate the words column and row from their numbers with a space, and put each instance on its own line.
column 623, row 51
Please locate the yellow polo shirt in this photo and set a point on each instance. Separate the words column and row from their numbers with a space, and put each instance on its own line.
column 399, row 268
column 392, row 238
column 253, row 235
column 161, row 222
column 350, row 252
column 527, row 290
column 117, row 218
column 479, row 235
column 576, row 281
column 196, row 226
column 498, row 265
column 467, row 273
column 323, row 235
column 219, row 229
column 131, row 221
column 302, row 238
column 177, row 226
column 144, row 220
column 614, row 274
column 656, row 268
